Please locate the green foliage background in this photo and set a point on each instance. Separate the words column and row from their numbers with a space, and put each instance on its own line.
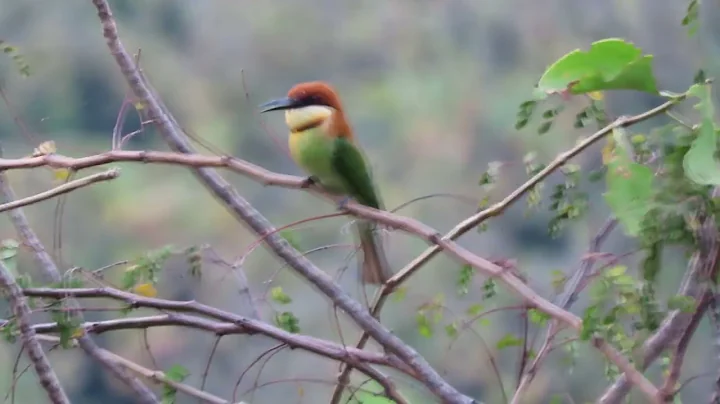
column 432, row 89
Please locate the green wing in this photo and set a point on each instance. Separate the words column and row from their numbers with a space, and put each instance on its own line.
column 350, row 166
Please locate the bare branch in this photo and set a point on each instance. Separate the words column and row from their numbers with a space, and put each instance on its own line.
column 245, row 212
column 62, row 189
column 251, row 216
column 45, row 372
column 229, row 324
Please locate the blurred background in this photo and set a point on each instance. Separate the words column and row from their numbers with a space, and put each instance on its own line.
column 431, row 88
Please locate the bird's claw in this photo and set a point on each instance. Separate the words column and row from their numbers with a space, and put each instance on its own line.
column 308, row 182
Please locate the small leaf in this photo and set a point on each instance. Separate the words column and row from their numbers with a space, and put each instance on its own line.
column 509, row 340
column 475, row 309
column 278, row 295
column 424, row 326
column 465, row 279
column 489, row 288
column 291, row 238
column 544, row 127
column 451, row 330
column 61, row 174
column 145, row 289
column 399, row 294
column 288, row 322
column 596, row 95
column 538, row 317
column 616, row 271
column 177, row 373
column 9, row 249
column 685, row 304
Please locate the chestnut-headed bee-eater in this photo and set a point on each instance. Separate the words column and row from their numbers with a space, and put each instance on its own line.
column 321, row 142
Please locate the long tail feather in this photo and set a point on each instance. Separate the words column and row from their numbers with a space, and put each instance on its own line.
column 375, row 266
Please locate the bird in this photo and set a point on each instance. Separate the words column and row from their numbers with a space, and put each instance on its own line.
column 322, row 143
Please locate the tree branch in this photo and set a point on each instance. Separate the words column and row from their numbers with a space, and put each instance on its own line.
column 45, row 372
column 246, row 213
column 668, row 389
column 229, row 324
column 62, row 189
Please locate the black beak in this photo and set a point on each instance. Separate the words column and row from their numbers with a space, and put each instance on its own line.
column 278, row 104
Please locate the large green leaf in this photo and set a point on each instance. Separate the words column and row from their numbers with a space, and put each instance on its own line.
column 699, row 162
column 610, row 64
column 629, row 192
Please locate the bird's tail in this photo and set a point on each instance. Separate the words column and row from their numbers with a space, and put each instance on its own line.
column 375, row 266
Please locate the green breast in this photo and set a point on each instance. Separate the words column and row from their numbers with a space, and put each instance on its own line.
column 313, row 151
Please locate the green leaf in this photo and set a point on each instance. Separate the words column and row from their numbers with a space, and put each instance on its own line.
column 616, row 271
column 690, row 19
column 699, row 162
column 424, row 326
column 278, row 296
column 538, row 317
column 288, row 322
column 176, row 373
column 475, row 309
column 12, row 51
column 8, row 254
column 509, row 340
column 451, row 330
column 685, row 304
column 610, row 64
column 399, row 294
column 291, row 238
column 629, row 192
column 465, row 279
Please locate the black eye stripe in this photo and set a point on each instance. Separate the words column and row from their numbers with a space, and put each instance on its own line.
column 305, row 101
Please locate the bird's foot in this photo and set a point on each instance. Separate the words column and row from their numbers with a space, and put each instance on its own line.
column 308, row 182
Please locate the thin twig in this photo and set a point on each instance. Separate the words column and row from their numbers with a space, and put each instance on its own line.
column 572, row 287
column 45, row 372
column 161, row 378
column 227, row 324
column 62, row 189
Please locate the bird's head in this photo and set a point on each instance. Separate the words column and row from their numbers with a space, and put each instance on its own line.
column 306, row 105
